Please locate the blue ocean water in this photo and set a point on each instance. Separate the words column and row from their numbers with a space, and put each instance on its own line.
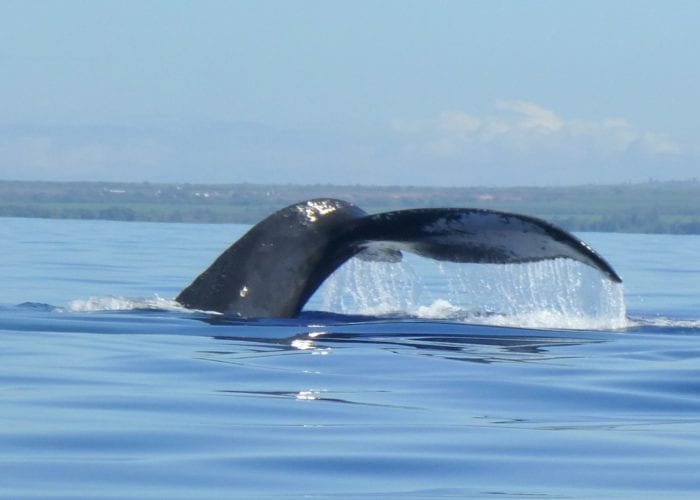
column 420, row 380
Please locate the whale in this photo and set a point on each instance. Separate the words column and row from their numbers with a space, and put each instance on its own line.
column 275, row 267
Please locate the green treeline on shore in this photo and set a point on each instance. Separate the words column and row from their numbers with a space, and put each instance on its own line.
column 652, row 207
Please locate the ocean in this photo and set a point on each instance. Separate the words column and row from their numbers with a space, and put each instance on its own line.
column 411, row 380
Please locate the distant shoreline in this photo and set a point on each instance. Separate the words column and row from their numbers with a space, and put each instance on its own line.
column 671, row 207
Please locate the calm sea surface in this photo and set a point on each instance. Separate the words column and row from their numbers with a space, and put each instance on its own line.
column 415, row 380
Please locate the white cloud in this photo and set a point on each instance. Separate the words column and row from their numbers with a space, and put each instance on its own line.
column 528, row 125
column 49, row 155
column 660, row 143
column 523, row 142
column 530, row 116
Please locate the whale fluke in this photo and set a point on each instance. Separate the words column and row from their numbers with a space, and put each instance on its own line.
column 280, row 262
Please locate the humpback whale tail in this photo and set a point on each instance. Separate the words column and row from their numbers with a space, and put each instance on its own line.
column 280, row 262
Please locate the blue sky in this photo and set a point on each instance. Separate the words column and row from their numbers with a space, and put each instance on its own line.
column 369, row 92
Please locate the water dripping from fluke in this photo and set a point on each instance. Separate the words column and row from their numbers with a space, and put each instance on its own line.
column 556, row 294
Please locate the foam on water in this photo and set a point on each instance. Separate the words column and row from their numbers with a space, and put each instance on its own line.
column 440, row 309
column 664, row 322
column 116, row 303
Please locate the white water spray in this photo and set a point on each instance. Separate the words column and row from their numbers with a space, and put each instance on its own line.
column 548, row 294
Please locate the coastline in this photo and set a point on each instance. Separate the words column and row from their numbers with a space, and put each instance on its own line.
column 671, row 207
